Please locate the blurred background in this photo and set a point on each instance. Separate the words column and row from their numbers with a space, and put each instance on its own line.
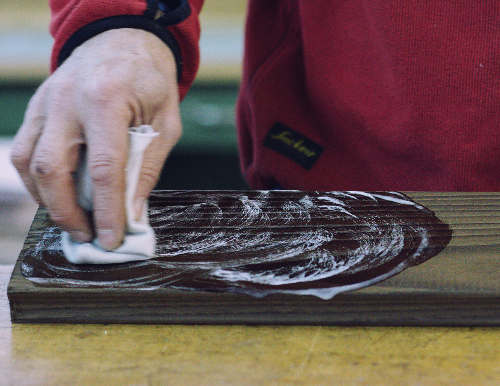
column 206, row 157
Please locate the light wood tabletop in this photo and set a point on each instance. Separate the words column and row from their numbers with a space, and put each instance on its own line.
column 177, row 354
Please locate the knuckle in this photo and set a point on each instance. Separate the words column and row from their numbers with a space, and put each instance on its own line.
column 33, row 119
column 103, row 168
column 99, row 90
column 32, row 104
column 43, row 167
column 34, row 114
column 20, row 157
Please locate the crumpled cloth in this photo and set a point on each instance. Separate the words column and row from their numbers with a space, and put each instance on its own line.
column 139, row 242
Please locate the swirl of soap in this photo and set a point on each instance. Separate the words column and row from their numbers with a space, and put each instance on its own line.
column 262, row 242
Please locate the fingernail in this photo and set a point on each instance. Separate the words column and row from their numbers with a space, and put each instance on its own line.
column 108, row 239
column 80, row 237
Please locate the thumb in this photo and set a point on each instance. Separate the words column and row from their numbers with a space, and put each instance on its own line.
column 168, row 125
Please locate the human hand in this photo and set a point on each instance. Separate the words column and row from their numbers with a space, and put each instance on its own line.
column 118, row 79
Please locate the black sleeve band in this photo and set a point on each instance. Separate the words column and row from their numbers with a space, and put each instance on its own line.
column 155, row 19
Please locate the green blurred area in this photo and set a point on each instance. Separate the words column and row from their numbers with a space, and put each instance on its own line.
column 13, row 101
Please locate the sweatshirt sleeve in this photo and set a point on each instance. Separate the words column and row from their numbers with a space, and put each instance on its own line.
column 175, row 22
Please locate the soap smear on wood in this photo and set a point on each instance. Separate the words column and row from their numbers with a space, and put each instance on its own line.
column 263, row 242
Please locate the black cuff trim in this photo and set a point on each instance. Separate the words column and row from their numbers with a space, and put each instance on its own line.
column 168, row 12
column 123, row 21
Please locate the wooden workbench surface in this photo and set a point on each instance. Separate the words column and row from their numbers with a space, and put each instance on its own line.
column 458, row 287
column 176, row 354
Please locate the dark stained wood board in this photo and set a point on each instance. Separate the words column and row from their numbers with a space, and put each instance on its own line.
column 459, row 286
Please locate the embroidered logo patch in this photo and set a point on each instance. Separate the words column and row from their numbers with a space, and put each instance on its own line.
column 293, row 145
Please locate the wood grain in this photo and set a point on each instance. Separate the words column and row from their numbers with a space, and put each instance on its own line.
column 460, row 286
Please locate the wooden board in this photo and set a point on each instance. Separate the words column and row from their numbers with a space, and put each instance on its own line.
column 459, row 286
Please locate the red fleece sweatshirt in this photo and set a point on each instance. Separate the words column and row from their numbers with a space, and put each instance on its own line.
column 343, row 95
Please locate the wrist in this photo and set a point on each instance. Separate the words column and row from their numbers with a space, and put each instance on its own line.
column 118, row 22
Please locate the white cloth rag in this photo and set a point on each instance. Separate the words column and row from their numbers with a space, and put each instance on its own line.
column 139, row 242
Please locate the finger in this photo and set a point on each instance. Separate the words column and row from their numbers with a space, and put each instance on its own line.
column 26, row 138
column 168, row 125
column 107, row 140
column 54, row 159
